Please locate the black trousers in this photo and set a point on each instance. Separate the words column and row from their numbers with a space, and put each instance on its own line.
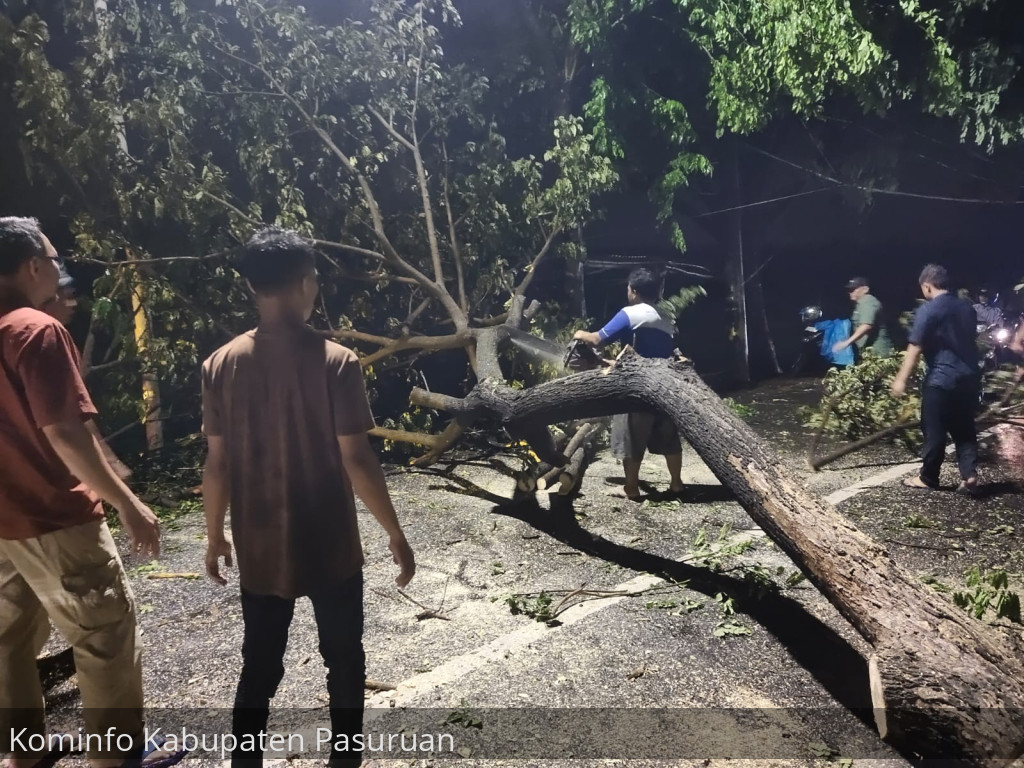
column 339, row 622
column 949, row 412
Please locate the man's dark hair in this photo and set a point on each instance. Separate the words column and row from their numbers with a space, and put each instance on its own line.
column 935, row 275
column 275, row 258
column 645, row 284
column 20, row 240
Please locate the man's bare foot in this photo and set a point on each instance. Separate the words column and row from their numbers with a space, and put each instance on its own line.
column 917, row 482
column 632, row 494
column 969, row 487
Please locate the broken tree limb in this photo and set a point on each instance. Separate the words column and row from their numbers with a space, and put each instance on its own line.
column 992, row 415
column 571, row 474
column 552, row 474
column 404, row 436
column 526, row 481
column 944, row 685
column 444, row 441
column 817, row 462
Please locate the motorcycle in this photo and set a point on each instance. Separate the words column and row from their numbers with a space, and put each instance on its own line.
column 994, row 341
column 809, row 358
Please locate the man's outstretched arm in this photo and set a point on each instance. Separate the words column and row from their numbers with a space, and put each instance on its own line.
column 618, row 325
column 862, row 330
column 899, row 384
column 78, row 449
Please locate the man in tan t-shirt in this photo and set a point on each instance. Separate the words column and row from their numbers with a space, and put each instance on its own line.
column 286, row 418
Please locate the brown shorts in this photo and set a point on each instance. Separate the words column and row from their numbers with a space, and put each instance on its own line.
column 633, row 434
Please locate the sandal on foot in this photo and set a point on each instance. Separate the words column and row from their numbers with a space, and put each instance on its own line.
column 51, row 757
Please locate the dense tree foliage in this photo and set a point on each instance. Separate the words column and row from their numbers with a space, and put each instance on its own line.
column 440, row 167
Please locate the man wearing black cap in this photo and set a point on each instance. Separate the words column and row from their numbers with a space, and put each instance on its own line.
column 868, row 322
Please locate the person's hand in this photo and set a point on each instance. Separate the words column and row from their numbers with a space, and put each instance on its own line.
column 580, row 335
column 898, row 388
column 402, row 554
column 215, row 550
column 839, row 346
column 143, row 528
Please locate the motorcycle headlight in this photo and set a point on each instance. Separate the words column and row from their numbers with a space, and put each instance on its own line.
column 1002, row 334
column 810, row 315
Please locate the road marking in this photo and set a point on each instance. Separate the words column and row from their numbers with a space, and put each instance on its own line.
column 500, row 648
column 874, row 481
column 893, row 473
column 503, row 646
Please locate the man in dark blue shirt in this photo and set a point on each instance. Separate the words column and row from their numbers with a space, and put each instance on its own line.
column 651, row 335
column 944, row 332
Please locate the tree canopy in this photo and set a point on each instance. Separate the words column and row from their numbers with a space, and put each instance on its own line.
column 412, row 150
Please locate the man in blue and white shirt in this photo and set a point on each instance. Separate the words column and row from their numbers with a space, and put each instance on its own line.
column 641, row 325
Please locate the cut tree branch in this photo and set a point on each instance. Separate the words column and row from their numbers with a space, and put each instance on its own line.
column 404, row 436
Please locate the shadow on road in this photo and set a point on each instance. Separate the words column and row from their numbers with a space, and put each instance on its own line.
column 815, row 646
column 693, row 493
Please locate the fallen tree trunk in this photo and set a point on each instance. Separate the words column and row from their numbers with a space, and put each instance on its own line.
column 943, row 685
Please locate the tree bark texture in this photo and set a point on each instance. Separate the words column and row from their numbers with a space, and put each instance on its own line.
column 944, row 685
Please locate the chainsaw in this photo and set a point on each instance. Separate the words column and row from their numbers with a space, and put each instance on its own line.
column 577, row 356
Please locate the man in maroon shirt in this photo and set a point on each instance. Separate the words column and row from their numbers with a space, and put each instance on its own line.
column 57, row 557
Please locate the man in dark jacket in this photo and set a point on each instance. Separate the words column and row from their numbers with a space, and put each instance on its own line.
column 944, row 332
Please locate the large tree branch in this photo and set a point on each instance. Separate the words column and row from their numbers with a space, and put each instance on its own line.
column 453, row 238
column 421, row 180
column 389, row 346
column 438, row 290
column 388, row 126
column 156, row 260
column 446, row 440
column 403, row 436
column 351, row 249
column 531, row 270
